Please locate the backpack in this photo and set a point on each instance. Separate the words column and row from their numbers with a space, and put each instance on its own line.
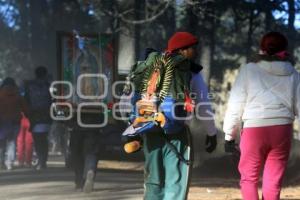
column 38, row 95
column 136, row 74
column 39, row 100
column 155, row 105
column 132, row 89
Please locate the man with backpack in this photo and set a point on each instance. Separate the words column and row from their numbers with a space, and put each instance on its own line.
column 39, row 100
column 161, row 108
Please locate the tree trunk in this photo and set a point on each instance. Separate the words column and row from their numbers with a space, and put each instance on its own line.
column 212, row 43
column 268, row 20
column 205, row 60
column 138, row 7
column 208, row 44
column 267, row 7
column 37, row 32
column 291, row 27
column 192, row 21
column 126, row 44
column 249, row 35
column 169, row 21
column 24, row 30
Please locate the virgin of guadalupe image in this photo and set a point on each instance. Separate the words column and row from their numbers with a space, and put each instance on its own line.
column 86, row 63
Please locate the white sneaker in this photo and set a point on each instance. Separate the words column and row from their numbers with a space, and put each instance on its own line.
column 89, row 182
column 19, row 164
column 9, row 167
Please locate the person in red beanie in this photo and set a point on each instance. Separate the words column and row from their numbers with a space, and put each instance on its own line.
column 167, row 148
column 182, row 42
column 265, row 97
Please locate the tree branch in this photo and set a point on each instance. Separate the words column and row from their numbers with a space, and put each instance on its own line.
column 146, row 20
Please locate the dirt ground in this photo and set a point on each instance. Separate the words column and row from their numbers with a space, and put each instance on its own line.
column 218, row 179
column 228, row 193
column 215, row 179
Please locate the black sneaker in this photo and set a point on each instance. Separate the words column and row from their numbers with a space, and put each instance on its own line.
column 2, row 167
column 78, row 188
column 89, row 182
column 40, row 167
column 79, row 185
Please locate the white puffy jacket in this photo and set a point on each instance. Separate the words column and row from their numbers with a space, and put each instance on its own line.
column 264, row 94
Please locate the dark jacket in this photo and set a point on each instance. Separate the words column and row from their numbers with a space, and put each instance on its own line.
column 11, row 104
column 38, row 99
column 11, row 107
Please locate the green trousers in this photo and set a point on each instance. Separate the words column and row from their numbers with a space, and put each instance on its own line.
column 166, row 176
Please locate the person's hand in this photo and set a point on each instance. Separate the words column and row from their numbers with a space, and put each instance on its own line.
column 229, row 146
column 211, row 143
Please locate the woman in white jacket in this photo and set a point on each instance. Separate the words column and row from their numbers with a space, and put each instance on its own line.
column 265, row 98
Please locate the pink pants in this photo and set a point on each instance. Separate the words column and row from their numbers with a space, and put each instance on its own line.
column 268, row 146
column 24, row 142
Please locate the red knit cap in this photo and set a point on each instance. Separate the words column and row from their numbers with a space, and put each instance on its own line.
column 181, row 40
column 273, row 42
